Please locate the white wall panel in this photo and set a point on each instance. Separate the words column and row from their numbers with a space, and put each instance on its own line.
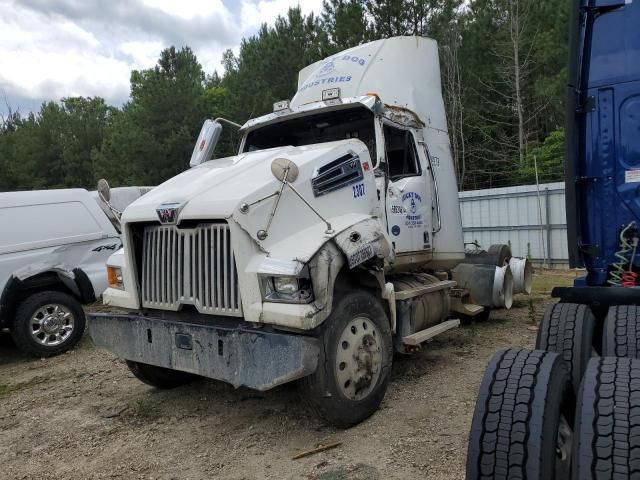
column 512, row 215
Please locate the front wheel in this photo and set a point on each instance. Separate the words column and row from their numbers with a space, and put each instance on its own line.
column 354, row 364
column 48, row 323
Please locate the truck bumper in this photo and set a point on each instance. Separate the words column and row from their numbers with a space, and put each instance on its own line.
column 237, row 355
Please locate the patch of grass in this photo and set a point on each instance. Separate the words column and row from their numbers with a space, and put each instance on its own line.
column 145, row 409
column 531, row 312
column 9, row 388
column 545, row 280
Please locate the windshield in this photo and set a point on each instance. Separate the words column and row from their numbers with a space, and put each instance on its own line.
column 320, row 128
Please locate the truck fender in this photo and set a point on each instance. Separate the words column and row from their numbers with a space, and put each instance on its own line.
column 363, row 241
column 76, row 280
column 68, row 279
column 324, row 268
column 367, row 240
column 356, row 245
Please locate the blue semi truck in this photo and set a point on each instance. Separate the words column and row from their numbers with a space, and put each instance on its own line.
column 570, row 408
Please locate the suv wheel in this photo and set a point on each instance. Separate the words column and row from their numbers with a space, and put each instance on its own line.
column 48, row 323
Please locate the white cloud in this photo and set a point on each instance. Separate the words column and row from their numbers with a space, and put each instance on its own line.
column 44, row 59
column 57, row 48
column 255, row 13
column 142, row 52
column 188, row 9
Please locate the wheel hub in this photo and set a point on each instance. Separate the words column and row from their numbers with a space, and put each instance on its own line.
column 51, row 324
column 358, row 358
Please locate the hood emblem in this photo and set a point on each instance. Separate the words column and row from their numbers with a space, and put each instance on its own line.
column 168, row 213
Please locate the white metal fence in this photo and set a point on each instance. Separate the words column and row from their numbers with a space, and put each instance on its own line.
column 533, row 223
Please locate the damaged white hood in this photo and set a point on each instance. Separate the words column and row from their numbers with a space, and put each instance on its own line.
column 216, row 189
column 212, row 189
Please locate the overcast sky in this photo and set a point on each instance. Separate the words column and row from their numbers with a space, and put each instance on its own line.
column 55, row 48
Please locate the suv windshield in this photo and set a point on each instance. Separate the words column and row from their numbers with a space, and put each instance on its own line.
column 320, row 128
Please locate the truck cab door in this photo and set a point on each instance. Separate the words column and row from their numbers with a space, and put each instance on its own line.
column 408, row 199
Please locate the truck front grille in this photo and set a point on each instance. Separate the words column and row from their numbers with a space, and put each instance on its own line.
column 193, row 266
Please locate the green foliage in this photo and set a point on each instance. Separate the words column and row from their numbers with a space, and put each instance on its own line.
column 549, row 157
column 53, row 148
column 73, row 142
column 266, row 69
column 346, row 24
column 152, row 139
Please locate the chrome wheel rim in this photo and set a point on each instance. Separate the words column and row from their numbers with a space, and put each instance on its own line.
column 51, row 324
column 358, row 359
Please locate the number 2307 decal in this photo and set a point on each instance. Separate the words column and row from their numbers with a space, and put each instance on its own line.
column 358, row 190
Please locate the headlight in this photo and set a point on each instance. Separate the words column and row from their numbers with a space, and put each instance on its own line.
column 286, row 285
column 114, row 277
column 286, row 289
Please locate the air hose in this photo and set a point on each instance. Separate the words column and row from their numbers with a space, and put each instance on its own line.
column 620, row 276
column 629, row 277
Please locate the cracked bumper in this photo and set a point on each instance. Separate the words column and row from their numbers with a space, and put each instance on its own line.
column 237, row 355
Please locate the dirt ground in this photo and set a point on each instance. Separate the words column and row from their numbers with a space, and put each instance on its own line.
column 83, row 415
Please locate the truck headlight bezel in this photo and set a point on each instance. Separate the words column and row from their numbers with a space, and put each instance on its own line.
column 286, row 288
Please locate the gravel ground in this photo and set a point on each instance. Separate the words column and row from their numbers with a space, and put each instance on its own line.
column 83, row 415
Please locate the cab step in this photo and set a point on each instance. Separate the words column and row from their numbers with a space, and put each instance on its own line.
column 422, row 336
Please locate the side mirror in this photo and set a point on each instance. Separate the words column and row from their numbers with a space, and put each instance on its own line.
column 104, row 190
column 206, row 143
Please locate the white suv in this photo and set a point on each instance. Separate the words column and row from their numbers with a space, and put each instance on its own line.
column 53, row 248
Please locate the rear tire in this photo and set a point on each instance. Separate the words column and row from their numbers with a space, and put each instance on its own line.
column 567, row 329
column 607, row 437
column 522, row 415
column 621, row 335
column 500, row 254
column 163, row 378
column 48, row 323
column 354, row 364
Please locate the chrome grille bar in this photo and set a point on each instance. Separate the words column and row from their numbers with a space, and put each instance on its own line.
column 193, row 266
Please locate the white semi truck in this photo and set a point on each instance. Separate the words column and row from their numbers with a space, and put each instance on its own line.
column 328, row 242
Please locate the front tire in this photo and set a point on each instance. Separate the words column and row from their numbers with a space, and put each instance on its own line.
column 354, row 364
column 48, row 323
column 158, row 377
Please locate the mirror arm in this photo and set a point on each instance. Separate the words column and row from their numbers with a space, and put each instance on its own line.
column 220, row 119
